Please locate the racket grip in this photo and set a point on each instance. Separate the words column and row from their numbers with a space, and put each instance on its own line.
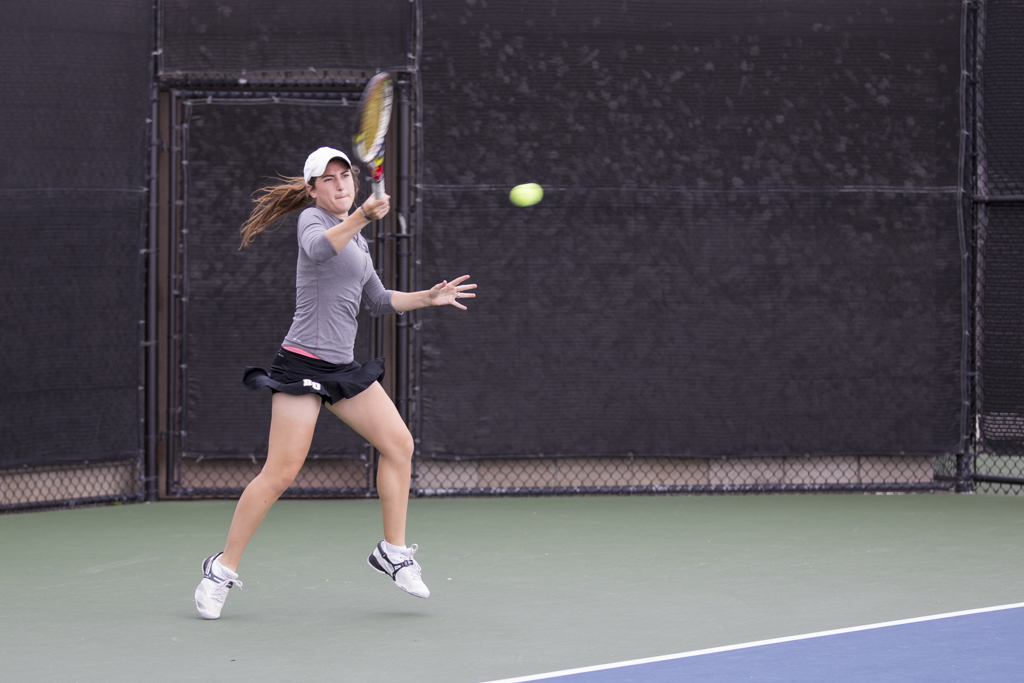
column 378, row 187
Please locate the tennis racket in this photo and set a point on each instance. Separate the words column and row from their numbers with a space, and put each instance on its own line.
column 374, row 116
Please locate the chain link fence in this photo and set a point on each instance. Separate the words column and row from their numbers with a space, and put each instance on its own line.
column 30, row 488
column 212, row 450
column 76, row 82
column 320, row 477
column 652, row 474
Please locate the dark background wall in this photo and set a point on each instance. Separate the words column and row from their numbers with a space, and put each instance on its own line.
column 748, row 243
column 244, row 36
column 75, row 79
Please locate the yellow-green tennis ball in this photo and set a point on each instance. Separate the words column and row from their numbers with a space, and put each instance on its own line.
column 526, row 195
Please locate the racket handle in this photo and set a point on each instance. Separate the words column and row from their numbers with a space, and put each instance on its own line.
column 378, row 188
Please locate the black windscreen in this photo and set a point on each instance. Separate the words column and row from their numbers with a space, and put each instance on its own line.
column 748, row 242
column 76, row 83
column 243, row 36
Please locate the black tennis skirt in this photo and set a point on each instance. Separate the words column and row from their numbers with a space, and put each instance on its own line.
column 293, row 373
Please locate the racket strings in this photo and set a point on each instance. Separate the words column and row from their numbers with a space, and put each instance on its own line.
column 370, row 123
column 374, row 118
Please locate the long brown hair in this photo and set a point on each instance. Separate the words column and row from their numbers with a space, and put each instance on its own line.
column 274, row 202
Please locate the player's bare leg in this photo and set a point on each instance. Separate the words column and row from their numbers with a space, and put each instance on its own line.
column 293, row 419
column 292, row 422
column 374, row 417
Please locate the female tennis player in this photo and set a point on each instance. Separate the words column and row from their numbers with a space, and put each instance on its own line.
column 315, row 366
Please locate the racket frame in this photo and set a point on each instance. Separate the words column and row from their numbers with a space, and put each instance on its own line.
column 371, row 151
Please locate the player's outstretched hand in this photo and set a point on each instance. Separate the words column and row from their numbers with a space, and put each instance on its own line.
column 445, row 293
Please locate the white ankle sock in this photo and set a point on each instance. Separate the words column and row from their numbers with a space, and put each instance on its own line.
column 223, row 571
column 396, row 549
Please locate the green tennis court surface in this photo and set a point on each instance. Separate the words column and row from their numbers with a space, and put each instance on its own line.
column 519, row 586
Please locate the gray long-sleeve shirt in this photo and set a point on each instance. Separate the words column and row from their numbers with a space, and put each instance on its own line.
column 328, row 288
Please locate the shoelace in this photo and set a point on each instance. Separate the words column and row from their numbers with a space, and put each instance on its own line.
column 415, row 566
column 221, row 586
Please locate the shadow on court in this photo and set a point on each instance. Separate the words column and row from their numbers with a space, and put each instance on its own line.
column 518, row 586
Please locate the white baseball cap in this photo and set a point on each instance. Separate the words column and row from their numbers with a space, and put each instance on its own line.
column 317, row 162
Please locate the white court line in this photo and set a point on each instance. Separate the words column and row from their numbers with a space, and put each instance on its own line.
column 758, row 643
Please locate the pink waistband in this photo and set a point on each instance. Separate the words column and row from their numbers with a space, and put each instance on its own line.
column 299, row 351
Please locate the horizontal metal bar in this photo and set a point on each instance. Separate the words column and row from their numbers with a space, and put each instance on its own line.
column 262, row 95
column 249, row 457
column 293, row 492
column 452, row 457
column 72, row 502
column 696, row 489
column 998, row 199
column 297, row 80
column 22, row 468
column 996, row 479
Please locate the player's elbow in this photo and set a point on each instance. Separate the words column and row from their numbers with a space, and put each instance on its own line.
column 381, row 308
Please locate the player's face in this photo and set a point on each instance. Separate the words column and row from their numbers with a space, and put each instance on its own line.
column 334, row 191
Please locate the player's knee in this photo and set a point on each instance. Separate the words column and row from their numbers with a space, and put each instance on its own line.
column 400, row 448
column 279, row 480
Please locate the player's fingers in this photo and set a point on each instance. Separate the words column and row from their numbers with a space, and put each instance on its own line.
column 374, row 204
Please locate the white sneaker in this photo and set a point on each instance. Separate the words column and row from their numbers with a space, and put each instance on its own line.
column 403, row 569
column 213, row 589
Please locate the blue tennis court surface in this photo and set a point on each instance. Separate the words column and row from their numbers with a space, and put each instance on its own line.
column 977, row 645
